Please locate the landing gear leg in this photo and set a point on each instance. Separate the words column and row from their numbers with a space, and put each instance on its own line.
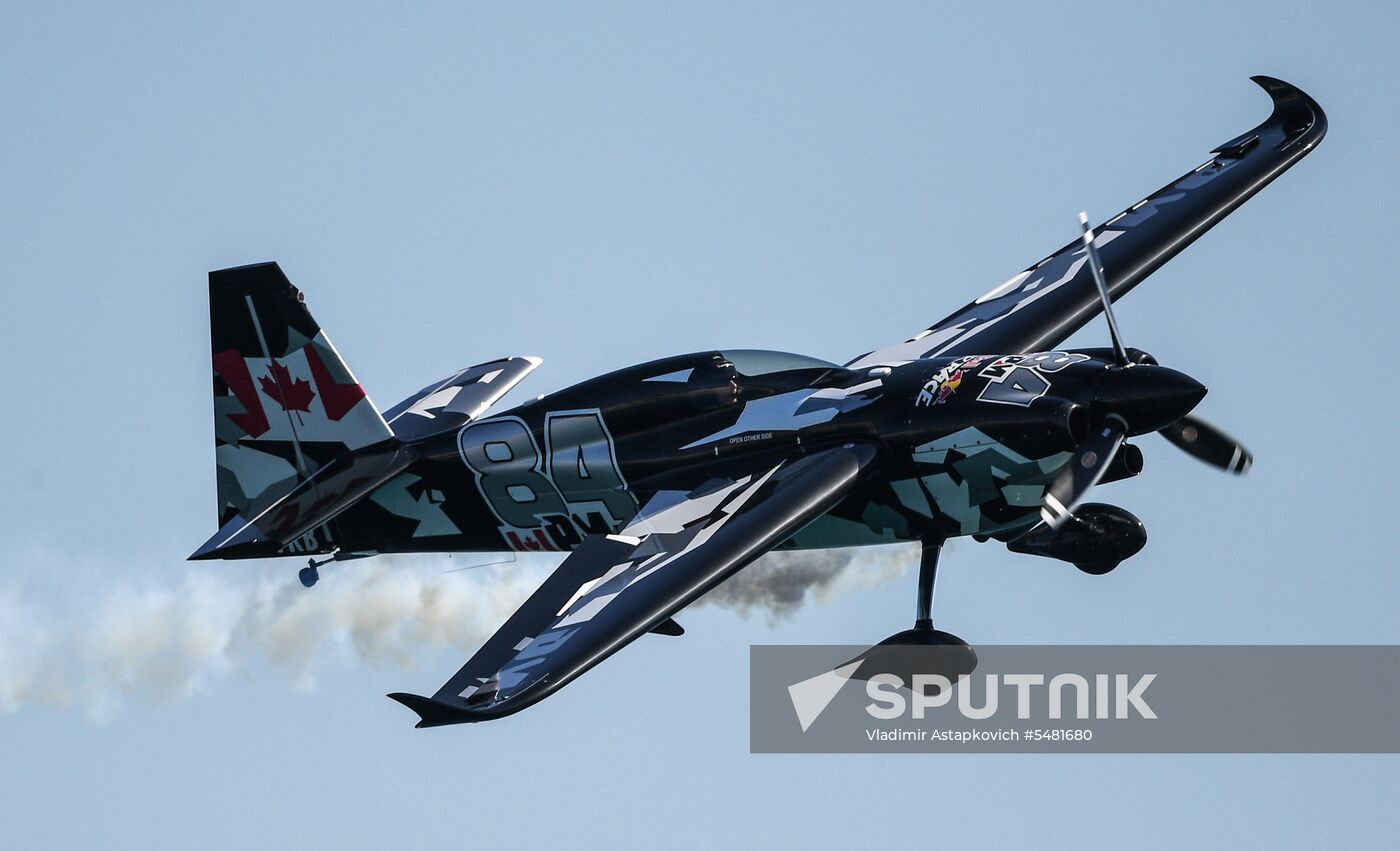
column 923, row 649
column 923, row 632
column 928, row 574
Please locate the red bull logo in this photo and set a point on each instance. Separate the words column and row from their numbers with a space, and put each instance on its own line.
column 946, row 381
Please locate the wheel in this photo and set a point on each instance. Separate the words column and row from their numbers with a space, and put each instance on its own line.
column 1098, row 568
column 921, row 650
column 308, row 576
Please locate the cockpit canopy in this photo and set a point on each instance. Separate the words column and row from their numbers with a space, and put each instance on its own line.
column 643, row 396
column 755, row 362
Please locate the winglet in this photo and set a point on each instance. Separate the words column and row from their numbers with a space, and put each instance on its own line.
column 1299, row 116
column 431, row 713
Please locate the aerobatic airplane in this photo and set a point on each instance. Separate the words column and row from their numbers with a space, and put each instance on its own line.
column 662, row 480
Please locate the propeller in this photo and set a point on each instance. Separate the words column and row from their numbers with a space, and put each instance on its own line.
column 1085, row 469
column 1136, row 396
column 1205, row 442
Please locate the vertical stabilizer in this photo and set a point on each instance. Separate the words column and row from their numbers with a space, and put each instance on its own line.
column 285, row 403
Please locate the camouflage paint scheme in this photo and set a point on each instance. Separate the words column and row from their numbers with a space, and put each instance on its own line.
column 664, row 478
column 956, row 468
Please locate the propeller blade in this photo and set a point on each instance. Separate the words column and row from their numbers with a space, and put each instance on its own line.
column 1200, row 439
column 1091, row 460
column 1120, row 354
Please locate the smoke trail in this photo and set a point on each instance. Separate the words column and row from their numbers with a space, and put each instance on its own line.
column 26, row 641
column 162, row 644
column 780, row 583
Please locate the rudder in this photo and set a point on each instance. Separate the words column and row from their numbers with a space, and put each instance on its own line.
column 285, row 403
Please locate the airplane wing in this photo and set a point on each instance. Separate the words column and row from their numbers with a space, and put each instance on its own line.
column 1043, row 305
column 614, row 588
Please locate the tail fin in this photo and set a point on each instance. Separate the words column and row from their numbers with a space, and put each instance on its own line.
column 285, row 403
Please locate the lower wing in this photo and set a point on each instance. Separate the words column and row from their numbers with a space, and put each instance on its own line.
column 614, row 588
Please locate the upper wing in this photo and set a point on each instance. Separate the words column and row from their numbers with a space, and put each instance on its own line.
column 1043, row 305
column 613, row 588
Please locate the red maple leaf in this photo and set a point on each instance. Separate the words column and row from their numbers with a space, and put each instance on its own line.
column 293, row 394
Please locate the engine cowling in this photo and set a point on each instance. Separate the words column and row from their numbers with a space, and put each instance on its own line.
column 1096, row 539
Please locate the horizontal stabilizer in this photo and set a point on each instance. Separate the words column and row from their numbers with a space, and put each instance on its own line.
column 458, row 399
column 235, row 539
column 318, row 500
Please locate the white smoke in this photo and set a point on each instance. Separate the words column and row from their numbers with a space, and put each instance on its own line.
column 26, row 642
column 160, row 645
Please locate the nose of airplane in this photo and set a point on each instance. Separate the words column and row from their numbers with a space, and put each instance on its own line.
column 1147, row 397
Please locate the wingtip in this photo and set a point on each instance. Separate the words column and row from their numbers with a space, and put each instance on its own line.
column 1296, row 124
column 1303, row 117
column 431, row 713
column 1274, row 84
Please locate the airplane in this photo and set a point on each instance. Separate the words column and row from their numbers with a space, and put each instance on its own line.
column 664, row 479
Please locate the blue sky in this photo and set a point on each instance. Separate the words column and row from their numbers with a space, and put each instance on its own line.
column 603, row 184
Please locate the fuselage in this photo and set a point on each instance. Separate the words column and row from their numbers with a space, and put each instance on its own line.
column 968, row 446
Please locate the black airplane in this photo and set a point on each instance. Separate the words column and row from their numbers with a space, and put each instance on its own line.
column 664, row 479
